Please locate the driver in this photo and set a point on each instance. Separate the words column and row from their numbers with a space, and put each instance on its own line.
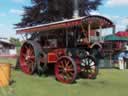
column 84, row 40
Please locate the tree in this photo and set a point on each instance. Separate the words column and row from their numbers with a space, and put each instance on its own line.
column 15, row 41
column 44, row 11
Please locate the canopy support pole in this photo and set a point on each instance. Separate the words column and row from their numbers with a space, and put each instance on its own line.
column 100, row 33
column 89, row 31
column 66, row 37
column 114, row 29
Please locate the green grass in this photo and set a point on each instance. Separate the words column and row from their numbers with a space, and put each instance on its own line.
column 110, row 82
column 8, row 61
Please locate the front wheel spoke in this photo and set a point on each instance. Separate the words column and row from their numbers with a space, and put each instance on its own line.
column 85, row 71
column 88, row 71
column 92, row 65
column 88, row 62
column 92, row 71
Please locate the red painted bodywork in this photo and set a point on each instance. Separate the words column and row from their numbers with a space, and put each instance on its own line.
column 55, row 54
column 94, row 21
column 52, row 57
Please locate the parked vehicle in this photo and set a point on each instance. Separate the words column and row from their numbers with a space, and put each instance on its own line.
column 67, row 44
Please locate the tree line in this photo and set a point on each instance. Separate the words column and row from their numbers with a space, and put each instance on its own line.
column 45, row 11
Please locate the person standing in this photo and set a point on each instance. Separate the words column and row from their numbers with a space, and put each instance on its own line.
column 126, row 55
column 121, row 60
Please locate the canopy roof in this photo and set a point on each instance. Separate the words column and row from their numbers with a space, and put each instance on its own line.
column 95, row 21
column 115, row 38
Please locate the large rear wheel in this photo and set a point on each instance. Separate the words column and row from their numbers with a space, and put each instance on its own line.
column 28, row 58
column 66, row 70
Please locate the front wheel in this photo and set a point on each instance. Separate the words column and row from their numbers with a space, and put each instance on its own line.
column 66, row 70
column 89, row 67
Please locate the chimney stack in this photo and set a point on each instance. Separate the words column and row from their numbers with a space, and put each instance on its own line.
column 76, row 10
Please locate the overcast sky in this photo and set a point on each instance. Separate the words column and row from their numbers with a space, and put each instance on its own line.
column 11, row 11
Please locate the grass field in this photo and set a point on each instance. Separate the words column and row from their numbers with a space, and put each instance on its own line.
column 8, row 60
column 110, row 82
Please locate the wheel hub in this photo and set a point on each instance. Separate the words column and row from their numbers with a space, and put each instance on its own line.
column 27, row 57
column 65, row 69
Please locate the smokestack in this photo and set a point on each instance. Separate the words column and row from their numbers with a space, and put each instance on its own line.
column 76, row 10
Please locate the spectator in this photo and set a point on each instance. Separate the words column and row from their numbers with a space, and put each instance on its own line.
column 121, row 60
column 126, row 56
column 126, row 47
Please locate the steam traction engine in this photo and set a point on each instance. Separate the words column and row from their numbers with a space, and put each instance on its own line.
column 66, row 44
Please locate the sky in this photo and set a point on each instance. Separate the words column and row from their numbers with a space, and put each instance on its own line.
column 11, row 11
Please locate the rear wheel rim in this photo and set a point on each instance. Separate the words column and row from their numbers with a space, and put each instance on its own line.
column 65, row 70
column 27, row 58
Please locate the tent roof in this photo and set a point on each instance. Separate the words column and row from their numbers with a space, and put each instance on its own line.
column 122, row 33
column 7, row 43
column 115, row 38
